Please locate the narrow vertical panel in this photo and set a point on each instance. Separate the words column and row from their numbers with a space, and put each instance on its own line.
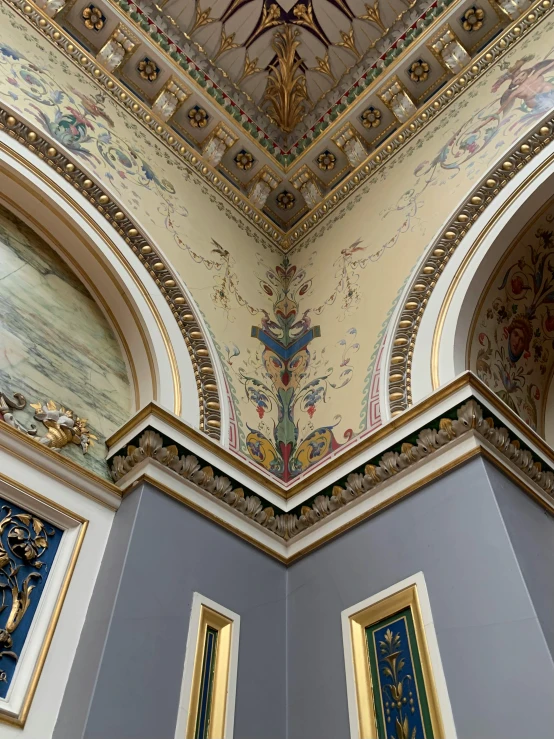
column 206, row 683
column 394, row 684
column 401, row 706
column 210, row 675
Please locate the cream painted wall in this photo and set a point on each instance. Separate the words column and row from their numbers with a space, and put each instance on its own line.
column 371, row 247
column 170, row 203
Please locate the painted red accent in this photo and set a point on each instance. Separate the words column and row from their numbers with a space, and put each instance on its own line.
column 285, row 453
column 285, row 378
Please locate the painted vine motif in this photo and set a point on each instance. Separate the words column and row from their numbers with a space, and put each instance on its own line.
column 287, row 378
column 401, row 704
column 513, row 350
column 27, row 549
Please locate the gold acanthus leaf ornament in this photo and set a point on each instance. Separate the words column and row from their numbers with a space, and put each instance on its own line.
column 63, row 426
column 286, row 86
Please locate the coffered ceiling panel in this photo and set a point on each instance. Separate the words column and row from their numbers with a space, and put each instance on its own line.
column 287, row 101
column 265, row 47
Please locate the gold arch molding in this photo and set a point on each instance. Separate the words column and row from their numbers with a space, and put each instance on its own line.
column 165, row 280
column 409, row 320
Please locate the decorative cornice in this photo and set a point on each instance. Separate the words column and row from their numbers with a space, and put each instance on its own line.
column 445, row 97
column 166, row 281
column 297, row 234
column 366, row 479
column 61, row 469
column 423, row 284
column 247, row 114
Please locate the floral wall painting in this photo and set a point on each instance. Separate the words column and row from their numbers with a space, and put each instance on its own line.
column 512, row 343
column 299, row 337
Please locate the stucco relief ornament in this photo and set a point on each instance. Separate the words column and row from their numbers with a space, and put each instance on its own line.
column 326, row 160
column 148, row 69
column 371, row 118
column 419, row 71
column 93, row 18
column 473, row 19
column 10, row 403
column 198, row 117
column 244, row 160
column 63, row 426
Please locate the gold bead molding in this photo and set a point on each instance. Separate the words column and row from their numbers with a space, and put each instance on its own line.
column 266, row 229
column 405, row 332
column 208, row 391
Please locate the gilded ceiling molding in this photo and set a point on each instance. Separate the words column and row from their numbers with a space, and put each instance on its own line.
column 264, row 227
column 466, row 418
column 183, row 49
column 199, row 352
column 405, row 331
column 447, row 95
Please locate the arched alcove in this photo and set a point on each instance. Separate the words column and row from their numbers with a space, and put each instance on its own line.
column 510, row 344
column 158, row 355
column 58, row 350
column 477, row 316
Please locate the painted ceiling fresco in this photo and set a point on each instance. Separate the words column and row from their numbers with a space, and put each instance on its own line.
column 512, row 344
column 299, row 337
column 301, row 50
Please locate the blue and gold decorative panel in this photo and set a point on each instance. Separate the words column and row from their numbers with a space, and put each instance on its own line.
column 395, row 689
column 28, row 546
column 401, row 706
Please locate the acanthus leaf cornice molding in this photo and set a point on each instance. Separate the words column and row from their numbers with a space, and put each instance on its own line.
column 478, row 423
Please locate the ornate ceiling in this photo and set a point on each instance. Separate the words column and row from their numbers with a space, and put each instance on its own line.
column 293, row 60
column 285, row 101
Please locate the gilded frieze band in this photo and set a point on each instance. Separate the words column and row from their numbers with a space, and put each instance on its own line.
column 208, row 391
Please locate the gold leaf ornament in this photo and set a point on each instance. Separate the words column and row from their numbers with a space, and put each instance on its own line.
column 473, row 19
column 93, row 18
column 286, row 91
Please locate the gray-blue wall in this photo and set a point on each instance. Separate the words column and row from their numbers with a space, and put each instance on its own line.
column 499, row 672
column 485, row 548
column 126, row 680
